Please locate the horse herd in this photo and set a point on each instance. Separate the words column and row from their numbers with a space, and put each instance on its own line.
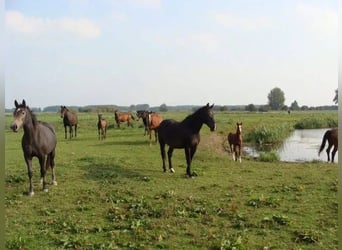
column 39, row 138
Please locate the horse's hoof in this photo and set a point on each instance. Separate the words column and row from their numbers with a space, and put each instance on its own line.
column 45, row 190
column 30, row 193
column 172, row 170
column 54, row 183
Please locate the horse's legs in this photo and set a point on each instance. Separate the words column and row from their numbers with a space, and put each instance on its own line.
column 169, row 156
column 328, row 152
column 51, row 162
column 189, row 154
column 155, row 135
column 333, row 153
column 30, row 174
column 76, row 130
column 239, row 153
column 70, row 132
column 99, row 132
column 65, row 130
column 43, row 172
column 232, row 149
column 162, row 153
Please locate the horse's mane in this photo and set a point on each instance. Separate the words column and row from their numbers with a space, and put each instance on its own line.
column 191, row 116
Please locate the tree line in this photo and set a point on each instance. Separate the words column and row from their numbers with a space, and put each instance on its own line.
column 276, row 101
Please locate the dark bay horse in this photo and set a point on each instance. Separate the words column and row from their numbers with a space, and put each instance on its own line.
column 102, row 127
column 184, row 134
column 143, row 114
column 332, row 137
column 39, row 140
column 69, row 120
column 235, row 142
column 123, row 117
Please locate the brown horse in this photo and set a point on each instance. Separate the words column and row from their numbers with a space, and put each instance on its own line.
column 123, row 117
column 151, row 122
column 184, row 134
column 332, row 137
column 235, row 142
column 102, row 127
column 69, row 120
column 39, row 140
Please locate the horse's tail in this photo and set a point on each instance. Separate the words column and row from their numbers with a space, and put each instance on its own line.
column 324, row 140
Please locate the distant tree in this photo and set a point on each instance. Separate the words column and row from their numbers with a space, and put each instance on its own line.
column 276, row 99
column 251, row 107
column 264, row 108
column 163, row 108
column 336, row 97
column 223, row 108
column 294, row 106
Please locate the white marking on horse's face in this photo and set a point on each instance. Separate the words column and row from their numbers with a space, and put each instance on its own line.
column 19, row 117
column 240, row 128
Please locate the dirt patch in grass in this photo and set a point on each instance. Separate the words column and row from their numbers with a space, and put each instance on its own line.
column 216, row 143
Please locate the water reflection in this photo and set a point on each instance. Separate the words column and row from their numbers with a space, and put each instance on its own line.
column 301, row 146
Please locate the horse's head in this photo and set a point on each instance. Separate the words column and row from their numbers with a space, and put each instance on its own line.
column 63, row 110
column 208, row 116
column 20, row 115
column 239, row 127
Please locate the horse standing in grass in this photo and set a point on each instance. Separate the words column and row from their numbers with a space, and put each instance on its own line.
column 332, row 137
column 39, row 140
column 184, row 134
column 235, row 142
column 102, row 127
column 123, row 117
column 69, row 120
column 143, row 114
column 153, row 122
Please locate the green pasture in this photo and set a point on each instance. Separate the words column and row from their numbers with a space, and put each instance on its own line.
column 113, row 194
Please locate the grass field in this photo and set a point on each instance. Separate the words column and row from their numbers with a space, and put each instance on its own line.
column 113, row 194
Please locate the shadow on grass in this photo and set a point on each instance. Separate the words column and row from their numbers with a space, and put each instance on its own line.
column 97, row 170
column 121, row 143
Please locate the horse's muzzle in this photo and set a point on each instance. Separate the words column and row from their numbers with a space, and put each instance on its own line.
column 14, row 127
column 213, row 128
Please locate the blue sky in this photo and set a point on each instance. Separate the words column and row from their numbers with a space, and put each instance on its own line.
column 123, row 52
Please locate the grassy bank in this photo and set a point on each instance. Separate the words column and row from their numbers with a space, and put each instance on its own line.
column 113, row 194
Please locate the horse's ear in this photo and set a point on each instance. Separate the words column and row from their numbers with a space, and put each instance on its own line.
column 24, row 103
column 211, row 106
column 16, row 103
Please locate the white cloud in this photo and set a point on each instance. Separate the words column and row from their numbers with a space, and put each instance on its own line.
column 320, row 20
column 18, row 22
column 245, row 23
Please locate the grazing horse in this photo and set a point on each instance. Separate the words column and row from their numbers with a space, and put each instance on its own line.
column 39, row 140
column 123, row 117
column 332, row 137
column 69, row 120
column 235, row 142
column 184, row 134
column 102, row 127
